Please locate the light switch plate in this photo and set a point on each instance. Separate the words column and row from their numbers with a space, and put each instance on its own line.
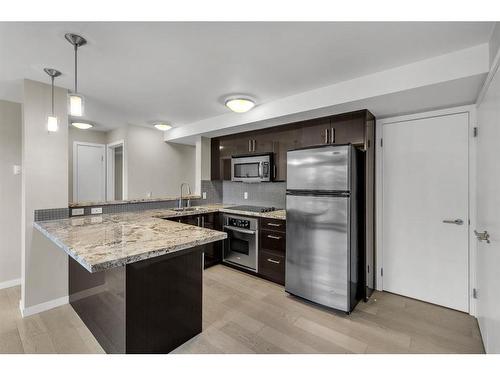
column 204, row 195
column 16, row 169
column 245, row 195
column 77, row 211
column 96, row 210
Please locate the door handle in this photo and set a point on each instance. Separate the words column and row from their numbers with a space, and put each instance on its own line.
column 326, row 136
column 456, row 221
column 482, row 236
column 273, row 237
column 332, row 135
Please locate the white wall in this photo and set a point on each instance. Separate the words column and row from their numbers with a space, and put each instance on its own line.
column 202, row 160
column 488, row 208
column 77, row 135
column 10, row 193
column 44, row 185
column 152, row 165
column 157, row 167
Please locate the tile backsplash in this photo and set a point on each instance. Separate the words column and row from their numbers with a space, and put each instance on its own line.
column 259, row 194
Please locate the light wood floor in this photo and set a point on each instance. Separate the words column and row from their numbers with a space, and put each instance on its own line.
column 245, row 314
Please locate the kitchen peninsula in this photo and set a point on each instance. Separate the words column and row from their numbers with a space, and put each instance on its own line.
column 134, row 278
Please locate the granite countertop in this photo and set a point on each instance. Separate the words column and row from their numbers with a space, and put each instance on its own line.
column 112, row 240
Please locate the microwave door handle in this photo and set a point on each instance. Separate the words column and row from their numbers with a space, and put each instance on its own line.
column 261, row 169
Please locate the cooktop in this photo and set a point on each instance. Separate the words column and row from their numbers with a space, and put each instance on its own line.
column 253, row 208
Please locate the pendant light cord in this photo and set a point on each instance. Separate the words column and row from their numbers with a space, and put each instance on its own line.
column 52, row 77
column 76, row 68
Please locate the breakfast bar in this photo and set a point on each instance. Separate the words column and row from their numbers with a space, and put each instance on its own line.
column 135, row 279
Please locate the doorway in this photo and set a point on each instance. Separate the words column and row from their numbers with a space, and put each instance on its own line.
column 116, row 171
column 423, row 236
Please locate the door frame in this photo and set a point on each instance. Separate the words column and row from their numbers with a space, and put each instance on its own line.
column 75, row 166
column 379, row 176
column 110, row 170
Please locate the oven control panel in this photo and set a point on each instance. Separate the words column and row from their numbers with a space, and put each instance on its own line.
column 239, row 223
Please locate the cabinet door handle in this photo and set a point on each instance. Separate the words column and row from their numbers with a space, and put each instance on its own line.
column 273, row 261
column 273, row 237
column 332, row 135
column 326, row 135
column 274, row 225
column 254, row 145
column 249, row 145
column 274, row 171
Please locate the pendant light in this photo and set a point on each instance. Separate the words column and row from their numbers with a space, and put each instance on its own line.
column 76, row 100
column 52, row 123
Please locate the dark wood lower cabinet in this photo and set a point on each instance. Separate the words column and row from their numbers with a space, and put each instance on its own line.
column 151, row 306
column 272, row 250
column 212, row 251
column 272, row 265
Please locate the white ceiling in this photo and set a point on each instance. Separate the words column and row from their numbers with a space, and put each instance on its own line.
column 181, row 72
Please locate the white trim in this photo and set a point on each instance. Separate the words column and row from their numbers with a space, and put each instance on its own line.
column 486, row 85
column 471, row 110
column 75, row 167
column 10, row 283
column 27, row 311
column 110, row 171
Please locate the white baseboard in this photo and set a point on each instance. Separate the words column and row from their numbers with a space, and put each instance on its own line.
column 10, row 283
column 27, row 311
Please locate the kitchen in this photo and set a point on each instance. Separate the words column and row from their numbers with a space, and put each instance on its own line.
column 253, row 223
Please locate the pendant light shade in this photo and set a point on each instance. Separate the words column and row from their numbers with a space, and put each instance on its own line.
column 52, row 122
column 76, row 100
column 75, row 105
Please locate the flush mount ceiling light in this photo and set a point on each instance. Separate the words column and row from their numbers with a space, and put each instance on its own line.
column 52, row 123
column 240, row 105
column 163, row 127
column 82, row 125
column 76, row 100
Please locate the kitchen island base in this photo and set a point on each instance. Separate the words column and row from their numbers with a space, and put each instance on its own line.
column 150, row 306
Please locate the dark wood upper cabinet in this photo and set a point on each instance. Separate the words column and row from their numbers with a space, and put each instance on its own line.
column 345, row 128
column 315, row 132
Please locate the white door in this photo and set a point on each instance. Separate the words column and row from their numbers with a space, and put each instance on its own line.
column 89, row 172
column 488, row 217
column 425, row 182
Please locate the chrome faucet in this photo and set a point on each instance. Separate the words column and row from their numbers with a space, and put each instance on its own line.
column 181, row 197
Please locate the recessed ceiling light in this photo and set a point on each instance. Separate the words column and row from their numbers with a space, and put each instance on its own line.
column 240, row 105
column 163, row 127
column 82, row 125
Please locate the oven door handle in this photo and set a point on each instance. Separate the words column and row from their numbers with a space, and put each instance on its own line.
column 241, row 230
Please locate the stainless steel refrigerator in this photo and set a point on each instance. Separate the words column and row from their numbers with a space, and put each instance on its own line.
column 324, row 236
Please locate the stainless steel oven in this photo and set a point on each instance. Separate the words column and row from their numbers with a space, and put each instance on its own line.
column 240, row 247
column 252, row 168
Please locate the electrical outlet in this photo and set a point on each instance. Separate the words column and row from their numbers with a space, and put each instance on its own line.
column 245, row 195
column 96, row 210
column 77, row 211
column 204, row 195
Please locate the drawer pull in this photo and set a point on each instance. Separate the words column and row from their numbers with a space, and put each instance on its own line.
column 273, row 261
column 273, row 237
column 274, row 225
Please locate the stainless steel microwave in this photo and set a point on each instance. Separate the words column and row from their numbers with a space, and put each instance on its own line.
column 252, row 168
